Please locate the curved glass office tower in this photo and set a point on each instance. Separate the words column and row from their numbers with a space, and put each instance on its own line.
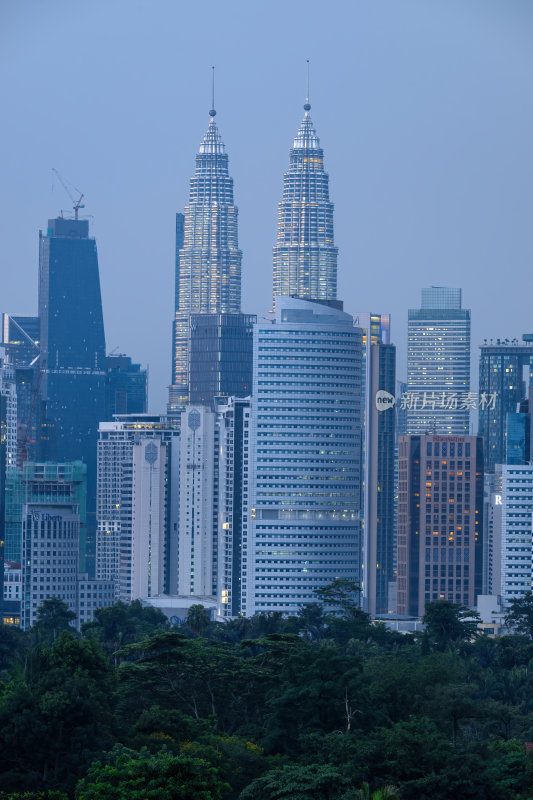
column 305, row 457
column 208, row 275
column 305, row 256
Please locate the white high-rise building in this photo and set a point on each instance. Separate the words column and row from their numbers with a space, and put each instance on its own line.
column 197, row 521
column 137, row 505
column 149, row 518
column 438, row 397
column 509, row 497
column 214, row 497
column 304, row 528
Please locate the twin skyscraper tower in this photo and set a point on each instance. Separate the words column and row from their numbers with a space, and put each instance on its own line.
column 208, row 259
column 277, row 514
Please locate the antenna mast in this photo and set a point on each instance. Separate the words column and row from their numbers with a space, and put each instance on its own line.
column 307, row 106
column 212, row 113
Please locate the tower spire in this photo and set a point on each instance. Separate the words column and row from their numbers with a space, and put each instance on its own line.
column 307, row 106
column 305, row 257
column 212, row 112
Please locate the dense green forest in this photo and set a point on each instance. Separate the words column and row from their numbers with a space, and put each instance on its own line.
column 319, row 706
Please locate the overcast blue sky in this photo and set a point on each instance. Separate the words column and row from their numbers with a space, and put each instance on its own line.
column 423, row 107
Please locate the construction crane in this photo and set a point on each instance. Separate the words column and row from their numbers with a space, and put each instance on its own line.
column 76, row 204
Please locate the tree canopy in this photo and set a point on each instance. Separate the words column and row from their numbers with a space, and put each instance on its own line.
column 322, row 704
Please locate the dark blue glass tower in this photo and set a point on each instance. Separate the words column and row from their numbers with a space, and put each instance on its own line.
column 73, row 385
column 220, row 356
column 518, row 435
column 126, row 387
column 501, row 387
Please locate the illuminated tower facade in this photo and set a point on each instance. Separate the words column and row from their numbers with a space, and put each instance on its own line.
column 305, row 256
column 208, row 269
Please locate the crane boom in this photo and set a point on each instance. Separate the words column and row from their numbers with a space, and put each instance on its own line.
column 76, row 204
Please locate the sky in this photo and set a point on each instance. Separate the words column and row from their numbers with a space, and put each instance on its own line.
column 424, row 110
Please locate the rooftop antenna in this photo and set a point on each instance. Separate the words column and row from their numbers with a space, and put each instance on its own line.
column 307, row 106
column 76, row 204
column 212, row 113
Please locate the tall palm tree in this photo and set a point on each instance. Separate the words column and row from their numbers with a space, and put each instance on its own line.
column 385, row 793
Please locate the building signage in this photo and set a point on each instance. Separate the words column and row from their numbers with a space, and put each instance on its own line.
column 37, row 516
column 384, row 400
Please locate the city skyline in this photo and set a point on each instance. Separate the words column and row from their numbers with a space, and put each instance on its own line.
column 429, row 180
column 253, row 538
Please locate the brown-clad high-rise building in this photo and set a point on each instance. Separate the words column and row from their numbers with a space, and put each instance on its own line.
column 440, row 520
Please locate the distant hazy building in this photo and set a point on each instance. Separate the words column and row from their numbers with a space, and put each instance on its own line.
column 12, row 593
column 8, row 444
column 12, row 581
column 518, row 435
column 510, row 507
column 125, row 504
column 21, row 337
column 8, row 408
column 503, row 383
column 438, row 397
column 378, row 443
column 440, row 521
column 304, row 527
column 72, row 353
column 220, row 356
column 208, row 265
column 92, row 594
column 401, row 410
column 22, row 334
column 305, row 256
column 126, row 387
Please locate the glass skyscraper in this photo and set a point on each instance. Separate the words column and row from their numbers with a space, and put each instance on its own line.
column 305, row 256
column 503, row 383
column 73, row 360
column 126, row 386
column 438, row 397
column 220, row 356
column 518, row 435
column 208, row 265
